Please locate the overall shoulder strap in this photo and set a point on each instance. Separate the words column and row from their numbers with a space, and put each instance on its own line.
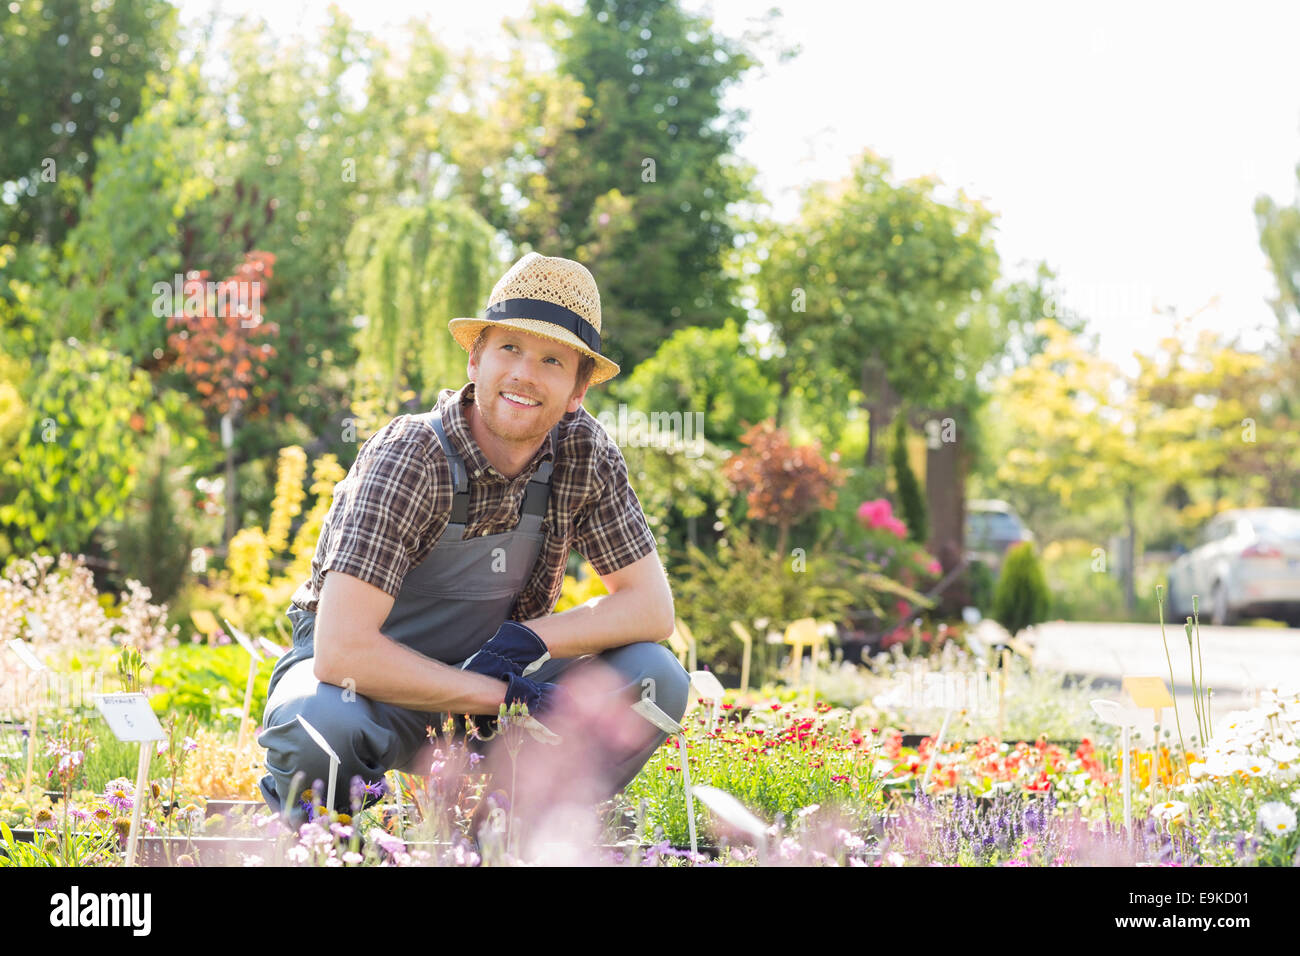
column 460, row 480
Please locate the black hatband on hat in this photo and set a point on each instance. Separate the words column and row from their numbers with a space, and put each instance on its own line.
column 543, row 311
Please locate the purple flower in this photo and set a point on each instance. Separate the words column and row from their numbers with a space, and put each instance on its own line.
column 386, row 841
column 118, row 794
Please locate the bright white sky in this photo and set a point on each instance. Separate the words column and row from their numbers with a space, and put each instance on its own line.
column 1124, row 143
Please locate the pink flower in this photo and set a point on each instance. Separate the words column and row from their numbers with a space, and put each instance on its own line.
column 934, row 567
column 897, row 527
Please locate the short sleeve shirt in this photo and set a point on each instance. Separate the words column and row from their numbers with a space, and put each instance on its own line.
column 395, row 502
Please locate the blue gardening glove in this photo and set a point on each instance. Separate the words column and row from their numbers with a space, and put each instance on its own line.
column 539, row 697
column 514, row 650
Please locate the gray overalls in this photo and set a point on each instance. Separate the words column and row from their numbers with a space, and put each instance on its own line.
column 448, row 606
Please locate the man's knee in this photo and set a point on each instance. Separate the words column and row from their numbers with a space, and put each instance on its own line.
column 672, row 685
column 338, row 720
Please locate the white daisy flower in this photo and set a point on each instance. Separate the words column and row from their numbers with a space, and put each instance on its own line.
column 1170, row 810
column 1276, row 817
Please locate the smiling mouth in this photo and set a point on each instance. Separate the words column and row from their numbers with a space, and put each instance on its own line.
column 516, row 404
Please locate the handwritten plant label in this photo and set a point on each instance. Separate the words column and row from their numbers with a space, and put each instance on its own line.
column 130, row 717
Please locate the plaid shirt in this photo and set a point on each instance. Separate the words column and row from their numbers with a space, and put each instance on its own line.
column 395, row 502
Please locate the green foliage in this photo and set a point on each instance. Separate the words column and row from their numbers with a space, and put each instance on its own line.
column 658, row 244
column 746, row 582
column 208, row 683
column 876, row 269
column 163, row 522
column 128, row 237
column 411, row 269
column 682, row 492
column 909, row 489
column 981, row 585
column 703, row 370
column 1022, row 598
column 771, row 775
column 75, row 462
column 73, row 75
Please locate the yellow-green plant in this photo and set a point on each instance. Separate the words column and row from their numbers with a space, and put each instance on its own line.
column 248, row 592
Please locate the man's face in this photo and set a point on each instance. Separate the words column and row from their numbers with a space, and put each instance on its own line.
column 527, row 367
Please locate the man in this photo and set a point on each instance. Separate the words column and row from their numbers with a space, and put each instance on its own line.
column 444, row 552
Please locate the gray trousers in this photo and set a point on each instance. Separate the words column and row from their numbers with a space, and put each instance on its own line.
column 371, row 737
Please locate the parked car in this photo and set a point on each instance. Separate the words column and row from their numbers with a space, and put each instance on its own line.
column 992, row 526
column 1246, row 563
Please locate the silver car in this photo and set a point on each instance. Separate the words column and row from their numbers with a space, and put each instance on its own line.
column 992, row 526
column 1246, row 563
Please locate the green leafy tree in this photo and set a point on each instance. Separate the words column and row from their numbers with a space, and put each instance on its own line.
column 637, row 185
column 72, row 77
column 128, row 239
column 879, row 279
column 706, row 371
column 76, row 461
column 410, row 270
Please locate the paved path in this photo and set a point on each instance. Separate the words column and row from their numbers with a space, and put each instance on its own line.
column 1238, row 660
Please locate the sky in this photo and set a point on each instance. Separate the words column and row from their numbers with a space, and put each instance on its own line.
column 1123, row 143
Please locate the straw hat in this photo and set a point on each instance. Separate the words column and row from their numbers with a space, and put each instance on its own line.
column 549, row 297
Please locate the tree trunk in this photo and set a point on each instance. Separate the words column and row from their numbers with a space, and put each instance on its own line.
column 782, row 537
column 783, row 397
column 879, row 399
column 945, row 487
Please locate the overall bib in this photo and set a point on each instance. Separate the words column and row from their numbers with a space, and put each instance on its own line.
column 448, row 606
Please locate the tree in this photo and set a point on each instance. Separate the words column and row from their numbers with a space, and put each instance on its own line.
column 73, row 76
column 702, row 371
column 410, row 270
column 1021, row 598
column 637, row 185
column 782, row 484
column 1083, row 432
column 909, row 489
column 223, row 345
column 878, row 279
column 76, row 460
column 127, row 238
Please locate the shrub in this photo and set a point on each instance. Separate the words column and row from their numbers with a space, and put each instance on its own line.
column 1022, row 598
column 910, row 499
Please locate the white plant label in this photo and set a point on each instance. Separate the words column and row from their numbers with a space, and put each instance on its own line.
column 30, row 660
column 130, row 717
column 244, row 640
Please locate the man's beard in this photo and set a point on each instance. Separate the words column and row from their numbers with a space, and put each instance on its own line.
column 508, row 423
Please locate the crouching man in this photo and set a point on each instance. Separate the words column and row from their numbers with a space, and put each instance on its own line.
column 444, row 552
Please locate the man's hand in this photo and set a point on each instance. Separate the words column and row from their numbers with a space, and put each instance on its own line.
column 513, row 651
column 539, row 697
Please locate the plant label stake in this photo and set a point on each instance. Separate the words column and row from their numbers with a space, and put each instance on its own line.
column 131, row 718
column 1150, row 693
column 651, row 711
column 315, row 735
column 1004, row 659
column 36, row 666
column 254, row 659
column 747, row 640
column 934, row 750
column 271, row 648
column 1109, row 712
